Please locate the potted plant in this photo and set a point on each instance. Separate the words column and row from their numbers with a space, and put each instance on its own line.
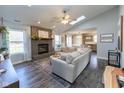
column 3, row 49
column 4, row 52
column 35, row 38
column 3, row 29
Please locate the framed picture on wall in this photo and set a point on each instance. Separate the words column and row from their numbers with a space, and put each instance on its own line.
column 43, row 34
column 107, row 38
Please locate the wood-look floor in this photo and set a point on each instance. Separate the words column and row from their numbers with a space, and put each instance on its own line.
column 37, row 74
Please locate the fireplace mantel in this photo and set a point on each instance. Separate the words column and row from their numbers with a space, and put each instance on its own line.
column 43, row 39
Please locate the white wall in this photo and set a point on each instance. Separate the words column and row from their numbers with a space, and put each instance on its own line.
column 105, row 23
column 122, row 55
column 28, row 43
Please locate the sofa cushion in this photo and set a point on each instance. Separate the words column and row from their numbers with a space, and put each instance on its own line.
column 82, row 50
column 70, row 57
column 79, row 49
column 72, row 49
column 66, row 50
column 64, row 55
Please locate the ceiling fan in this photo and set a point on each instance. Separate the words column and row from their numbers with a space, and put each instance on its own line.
column 65, row 19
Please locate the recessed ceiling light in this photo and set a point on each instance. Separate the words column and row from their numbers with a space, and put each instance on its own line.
column 38, row 22
column 78, row 20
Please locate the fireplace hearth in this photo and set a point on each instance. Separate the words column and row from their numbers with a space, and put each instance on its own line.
column 43, row 48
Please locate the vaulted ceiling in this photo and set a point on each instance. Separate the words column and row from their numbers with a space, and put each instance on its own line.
column 30, row 15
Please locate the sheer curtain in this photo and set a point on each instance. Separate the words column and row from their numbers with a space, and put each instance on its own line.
column 69, row 40
column 16, row 41
column 57, row 42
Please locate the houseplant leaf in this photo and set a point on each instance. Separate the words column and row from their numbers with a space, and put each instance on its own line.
column 3, row 29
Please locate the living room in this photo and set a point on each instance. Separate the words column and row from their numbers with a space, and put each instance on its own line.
column 59, row 46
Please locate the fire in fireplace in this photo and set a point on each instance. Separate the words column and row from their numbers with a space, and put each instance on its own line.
column 43, row 48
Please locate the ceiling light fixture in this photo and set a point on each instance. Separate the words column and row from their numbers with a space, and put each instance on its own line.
column 78, row 20
column 64, row 21
column 65, row 18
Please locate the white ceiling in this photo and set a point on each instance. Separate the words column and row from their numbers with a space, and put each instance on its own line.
column 45, row 14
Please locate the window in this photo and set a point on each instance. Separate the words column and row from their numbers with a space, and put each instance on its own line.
column 69, row 41
column 16, row 42
column 77, row 40
column 57, row 41
column 95, row 38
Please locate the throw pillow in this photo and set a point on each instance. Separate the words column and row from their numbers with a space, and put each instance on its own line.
column 70, row 57
column 82, row 51
column 63, row 56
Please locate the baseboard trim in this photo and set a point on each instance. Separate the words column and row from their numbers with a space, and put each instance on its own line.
column 19, row 62
column 103, row 58
column 15, row 63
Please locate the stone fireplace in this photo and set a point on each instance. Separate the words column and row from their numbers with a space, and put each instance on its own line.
column 43, row 48
column 42, row 44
